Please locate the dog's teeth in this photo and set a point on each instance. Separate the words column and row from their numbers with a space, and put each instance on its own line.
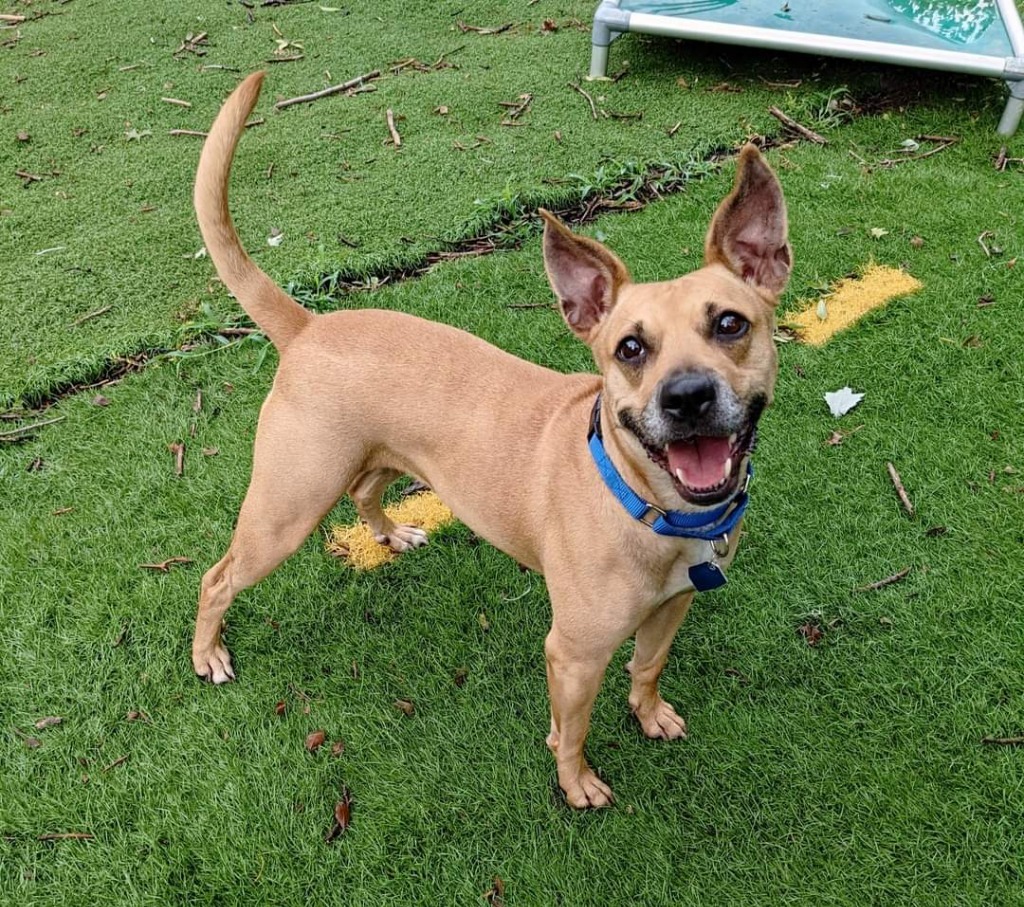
column 732, row 438
column 727, row 469
column 679, row 476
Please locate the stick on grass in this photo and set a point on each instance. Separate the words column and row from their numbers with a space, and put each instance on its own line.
column 327, row 92
column 900, row 490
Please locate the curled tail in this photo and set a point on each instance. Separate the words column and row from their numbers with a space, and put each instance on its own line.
column 279, row 316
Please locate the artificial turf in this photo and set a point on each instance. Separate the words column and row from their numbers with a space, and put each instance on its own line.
column 848, row 772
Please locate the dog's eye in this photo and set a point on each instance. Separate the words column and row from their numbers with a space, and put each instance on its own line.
column 631, row 350
column 731, row 325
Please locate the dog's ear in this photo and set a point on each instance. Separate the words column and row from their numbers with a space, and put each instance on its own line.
column 748, row 233
column 585, row 276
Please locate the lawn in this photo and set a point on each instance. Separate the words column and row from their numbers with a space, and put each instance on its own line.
column 849, row 771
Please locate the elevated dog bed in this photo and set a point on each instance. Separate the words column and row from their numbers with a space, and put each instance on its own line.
column 983, row 37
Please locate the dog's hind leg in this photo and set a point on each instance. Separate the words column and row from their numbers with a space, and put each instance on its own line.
column 653, row 640
column 366, row 492
column 299, row 472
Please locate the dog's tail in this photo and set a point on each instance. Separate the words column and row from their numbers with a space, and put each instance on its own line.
column 279, row 316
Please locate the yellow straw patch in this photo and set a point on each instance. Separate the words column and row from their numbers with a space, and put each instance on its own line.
column 357, row 545
column 849, row 300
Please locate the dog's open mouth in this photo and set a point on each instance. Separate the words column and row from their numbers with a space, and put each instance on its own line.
column 706, row 469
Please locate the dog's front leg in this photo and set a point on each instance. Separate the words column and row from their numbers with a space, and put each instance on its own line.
column 653, row 640
column 575, row 671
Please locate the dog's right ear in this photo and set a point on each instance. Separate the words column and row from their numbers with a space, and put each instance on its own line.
column 585, row 276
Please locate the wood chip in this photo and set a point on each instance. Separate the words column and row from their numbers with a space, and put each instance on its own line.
column 396, row 139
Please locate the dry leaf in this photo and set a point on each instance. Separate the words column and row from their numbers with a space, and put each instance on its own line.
column 811, row 632
column 50, row 721
column 405, row 707
column 460, row 676
column 878, row 232
column 496, row 896
column 916, row 242
column 100, row 400
column 337, row 748
column 342, row 816
column 314, row 740
column 279, row 710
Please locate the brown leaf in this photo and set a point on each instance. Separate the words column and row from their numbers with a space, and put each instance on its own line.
column 211, row 451
column 916, row 242
column 405, row 707
column 31, row 742
column 935, row 531
column 342, row 816
column 314, row 740
column 23, row 136
column 974, row 341
column 337, row 748
column 50, row 721
column 811, row 632
column 835, row 439
column 100, row 400
column 496, row 896
column 549, row 25
column 279, row 709
column 460, row 676
column 136, row 715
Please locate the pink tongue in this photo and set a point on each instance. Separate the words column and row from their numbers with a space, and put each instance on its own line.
column 702, row 460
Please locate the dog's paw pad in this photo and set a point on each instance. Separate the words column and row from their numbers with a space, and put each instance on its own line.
column 402, row 538
column 661, row 722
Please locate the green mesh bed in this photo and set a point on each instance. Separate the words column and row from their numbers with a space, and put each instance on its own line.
column 983, row 38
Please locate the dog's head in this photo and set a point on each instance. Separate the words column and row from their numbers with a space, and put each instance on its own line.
column 688, row 364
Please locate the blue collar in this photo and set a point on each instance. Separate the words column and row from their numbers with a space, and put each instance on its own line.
column 709, row 525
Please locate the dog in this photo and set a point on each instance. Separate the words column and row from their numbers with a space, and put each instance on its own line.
column 624, row 488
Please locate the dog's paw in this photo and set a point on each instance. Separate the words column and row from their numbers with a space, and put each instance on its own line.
column 587, row 791
column 661, row 721
column 214, row 665
column 402, row 538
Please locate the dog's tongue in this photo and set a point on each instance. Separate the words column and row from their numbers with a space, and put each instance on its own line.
column 701, row 460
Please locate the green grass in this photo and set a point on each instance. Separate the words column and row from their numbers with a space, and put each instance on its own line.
column 848, row 773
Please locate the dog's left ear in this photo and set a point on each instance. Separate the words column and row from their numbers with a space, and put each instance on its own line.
column 585, row 276
column 748, row 233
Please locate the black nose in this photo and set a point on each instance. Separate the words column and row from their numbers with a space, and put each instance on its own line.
column 687, row 396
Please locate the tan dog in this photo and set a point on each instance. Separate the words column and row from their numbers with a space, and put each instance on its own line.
column 362, row 397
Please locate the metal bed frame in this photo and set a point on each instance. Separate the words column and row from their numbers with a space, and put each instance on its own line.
column 704, row 20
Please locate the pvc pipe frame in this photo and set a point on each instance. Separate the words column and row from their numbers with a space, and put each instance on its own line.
column 610, row 22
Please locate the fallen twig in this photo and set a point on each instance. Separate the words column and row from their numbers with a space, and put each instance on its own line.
column 900, row 490
column 11, row 17
column 792, row 124
column 882, row 583
column 985, row 234
column 396, row 139
column 1003, row 741
column 593, row 107
column 17, row 434
column 165, row 566
column 121, row 760
column 326, row 92
column 195, row 132
column 177, row 102
column 516, row 109
column 90, row 315
column 483, row 31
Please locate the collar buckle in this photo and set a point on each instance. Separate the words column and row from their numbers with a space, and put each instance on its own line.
column 651, row 515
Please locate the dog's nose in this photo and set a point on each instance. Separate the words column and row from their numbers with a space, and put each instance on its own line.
column 687, row 396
